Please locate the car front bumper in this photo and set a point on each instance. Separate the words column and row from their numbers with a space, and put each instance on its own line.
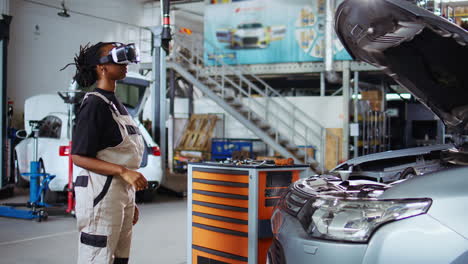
column 420, row 239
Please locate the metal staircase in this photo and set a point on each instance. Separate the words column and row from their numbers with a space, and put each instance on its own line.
column 260, row 108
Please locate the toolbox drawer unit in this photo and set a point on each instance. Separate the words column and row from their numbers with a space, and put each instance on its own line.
column 229, row 210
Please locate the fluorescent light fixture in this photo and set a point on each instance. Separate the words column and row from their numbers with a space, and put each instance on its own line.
column 393, row 96
column 389, row 96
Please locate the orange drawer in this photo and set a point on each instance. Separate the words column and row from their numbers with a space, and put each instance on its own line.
column 220, row 200
column 221, row 189
column 263, row 247
column 220, row 212
column 220, row 223
column 196, row 254
column 220, row 177
column 232, row 244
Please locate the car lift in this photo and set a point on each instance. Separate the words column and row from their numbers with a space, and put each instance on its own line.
column 38, row 185
column 71, row 98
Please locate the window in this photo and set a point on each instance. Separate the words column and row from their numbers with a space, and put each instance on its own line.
column 51, row 127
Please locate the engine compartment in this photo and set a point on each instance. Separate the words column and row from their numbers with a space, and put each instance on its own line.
column 372, row 178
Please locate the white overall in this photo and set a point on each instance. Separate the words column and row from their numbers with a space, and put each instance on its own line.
column 105, row 204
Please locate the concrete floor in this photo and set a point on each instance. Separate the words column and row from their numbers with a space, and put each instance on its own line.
column 159, row 236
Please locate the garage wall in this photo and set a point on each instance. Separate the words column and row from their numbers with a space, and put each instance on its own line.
column 327, row 110
column 42, row 42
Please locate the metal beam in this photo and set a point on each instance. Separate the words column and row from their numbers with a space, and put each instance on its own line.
column 356, row 112
column 2, row 113
column 155, row 91
column 329, row 18
column 171, row 123
column 162, row 92
column 294, row 68
column 190, row 99
column 172, row 92
column 346, row 99
column 322, row 84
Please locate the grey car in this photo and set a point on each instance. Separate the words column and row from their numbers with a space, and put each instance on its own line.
column 405, row 206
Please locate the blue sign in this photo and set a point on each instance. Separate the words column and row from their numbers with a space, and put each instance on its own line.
column 267, row 31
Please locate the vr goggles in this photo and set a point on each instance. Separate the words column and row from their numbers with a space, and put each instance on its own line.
column 122, row 54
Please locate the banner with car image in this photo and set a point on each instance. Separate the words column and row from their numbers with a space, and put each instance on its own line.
column 266, row 31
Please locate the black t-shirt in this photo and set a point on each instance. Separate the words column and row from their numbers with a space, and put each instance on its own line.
column 95, row 128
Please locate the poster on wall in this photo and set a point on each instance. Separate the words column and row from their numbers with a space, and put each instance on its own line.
column 266, row 31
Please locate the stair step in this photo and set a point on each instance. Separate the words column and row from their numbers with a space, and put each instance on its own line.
column 229, row 98
column 216, row 89
column 264, row 126
column 256, row 120
column 236, row 104
column 300, row 157
column 292, row 148
column 243, row 112
column 283, row 141
column 271, row 133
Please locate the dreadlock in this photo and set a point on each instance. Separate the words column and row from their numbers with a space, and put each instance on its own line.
column 85, row 62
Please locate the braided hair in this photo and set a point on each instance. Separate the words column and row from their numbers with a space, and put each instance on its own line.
column 85, row 62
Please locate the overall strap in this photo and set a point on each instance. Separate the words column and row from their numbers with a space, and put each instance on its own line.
column 110, row 103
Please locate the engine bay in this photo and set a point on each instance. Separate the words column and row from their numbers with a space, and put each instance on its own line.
column 372, row 178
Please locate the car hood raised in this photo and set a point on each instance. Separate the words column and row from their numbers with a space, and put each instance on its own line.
column 421, row 51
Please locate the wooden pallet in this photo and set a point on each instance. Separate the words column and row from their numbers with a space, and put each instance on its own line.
column 198, row 133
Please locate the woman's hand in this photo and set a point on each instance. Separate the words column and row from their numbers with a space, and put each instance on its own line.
column 136, row 215
column 135, row 179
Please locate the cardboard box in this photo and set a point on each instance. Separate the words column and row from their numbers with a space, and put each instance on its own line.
column 376, row 105
column 372, row 95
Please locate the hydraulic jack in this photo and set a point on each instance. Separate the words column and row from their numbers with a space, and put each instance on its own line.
column 38, row 185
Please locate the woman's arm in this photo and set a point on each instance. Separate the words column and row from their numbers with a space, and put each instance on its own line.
column 106, row 168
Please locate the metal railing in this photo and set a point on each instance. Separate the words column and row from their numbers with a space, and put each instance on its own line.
column 259, row 101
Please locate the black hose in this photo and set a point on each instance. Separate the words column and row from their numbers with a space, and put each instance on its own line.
column 404, row 174
column 41, row 165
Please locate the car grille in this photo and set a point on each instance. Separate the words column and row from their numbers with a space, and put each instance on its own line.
column 276, row 253
column 250, row 41
column 222, row 35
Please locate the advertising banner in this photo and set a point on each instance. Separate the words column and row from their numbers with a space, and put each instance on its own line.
column 267, row 31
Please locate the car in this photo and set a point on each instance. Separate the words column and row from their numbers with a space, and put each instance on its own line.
column 402, row 206
column 251, row 35
column 54, row 137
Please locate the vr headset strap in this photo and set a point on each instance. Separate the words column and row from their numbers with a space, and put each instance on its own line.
column 105, row 59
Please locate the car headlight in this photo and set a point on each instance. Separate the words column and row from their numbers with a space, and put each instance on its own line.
column 293, row 203
column 355, row 220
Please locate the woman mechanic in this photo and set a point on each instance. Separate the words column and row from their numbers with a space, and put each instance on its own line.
column 108, row 146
